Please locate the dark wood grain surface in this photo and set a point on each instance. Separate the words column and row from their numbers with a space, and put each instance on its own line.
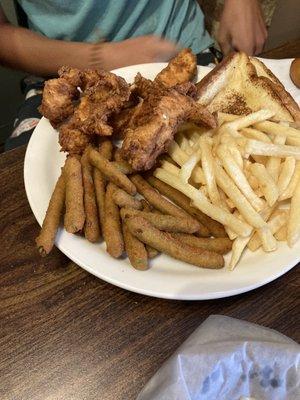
column 66, row 335
column 287, row 50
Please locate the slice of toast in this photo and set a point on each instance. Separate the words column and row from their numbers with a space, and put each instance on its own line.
column 239, row 85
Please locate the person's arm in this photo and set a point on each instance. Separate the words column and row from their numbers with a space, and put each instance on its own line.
column 31, row 52
column 242, row 27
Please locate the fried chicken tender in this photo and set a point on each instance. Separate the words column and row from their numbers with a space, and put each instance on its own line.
column 72, row 140
column 154, row 124
column 99, row 100
column 59, row 95
column 182, row 68
column 79, row 104
column 124, row 119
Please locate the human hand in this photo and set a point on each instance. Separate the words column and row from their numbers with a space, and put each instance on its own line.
column 242, row 27
column 139, row 50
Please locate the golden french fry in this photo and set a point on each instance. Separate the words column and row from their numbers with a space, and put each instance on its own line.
column 293, row 226
column 230, row 204
column 198, row 175
column 286, row 174
column 260, row 159
column 201, row 202
column 289, row 191
column 170, row 167
column 187, row 168
column 253, row 182
column 208, row 170
column 281, row 235
column 273, row 163
column 177, row 154
column 251, row 133
column 275, row 223
column 267, row 238
column 293, row 141
column 266, row 183
column 237, row 175
column 184, row 143
column 238, row 247
column 239, row 200
column 273, row 128
column 250, row 119
column 254, row 147
column 240, row 243
column 180, row 157
column 225, row 117
column 236, row 155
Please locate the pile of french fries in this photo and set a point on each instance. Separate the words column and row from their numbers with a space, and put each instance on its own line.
column 97, row 194
column 245, row 174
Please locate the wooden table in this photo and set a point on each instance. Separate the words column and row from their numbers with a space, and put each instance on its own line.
column 66, row 335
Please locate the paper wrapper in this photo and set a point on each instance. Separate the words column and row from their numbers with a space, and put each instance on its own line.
column 281, row 68
column 229, row 359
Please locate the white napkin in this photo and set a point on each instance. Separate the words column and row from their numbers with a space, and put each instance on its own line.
column 229, row 359
column 281, row 68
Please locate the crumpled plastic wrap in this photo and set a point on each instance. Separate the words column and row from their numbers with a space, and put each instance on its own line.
column 229, row 359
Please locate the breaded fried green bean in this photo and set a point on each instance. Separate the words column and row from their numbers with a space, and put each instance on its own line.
column 46, row 238
column 212, row 227
column 111, row 172
column 164, row 242
column 135, row 249
column 123, row 199
column 91, row 226
column 146, row 206
column 74, row 215
column 112, row 225
column 158, row 201
column 123, row 167
column 167, row 223
column 105, row 149
column 218, row 245
column 150, row 250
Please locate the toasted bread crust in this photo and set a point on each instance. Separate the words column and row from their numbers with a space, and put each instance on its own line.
column 278, row 88
column 215, row 92
column 268, row 73
column 214, row 74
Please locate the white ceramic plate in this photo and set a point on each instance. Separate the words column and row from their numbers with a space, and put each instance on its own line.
column 167, row 278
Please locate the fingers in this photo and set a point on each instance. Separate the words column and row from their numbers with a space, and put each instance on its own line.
column 261, row 39
column 242, row 27
column 224, row 41
column 166, row 50
column 247, row 46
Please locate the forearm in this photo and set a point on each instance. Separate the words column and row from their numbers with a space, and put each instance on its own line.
column 28, row 51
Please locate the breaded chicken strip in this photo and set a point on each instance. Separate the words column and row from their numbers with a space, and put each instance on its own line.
column 59, row 95
column 182, row 68
column 99, row 101
column 155, row 121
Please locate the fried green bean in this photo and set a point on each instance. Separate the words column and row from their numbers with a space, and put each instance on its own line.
column 164, row 242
